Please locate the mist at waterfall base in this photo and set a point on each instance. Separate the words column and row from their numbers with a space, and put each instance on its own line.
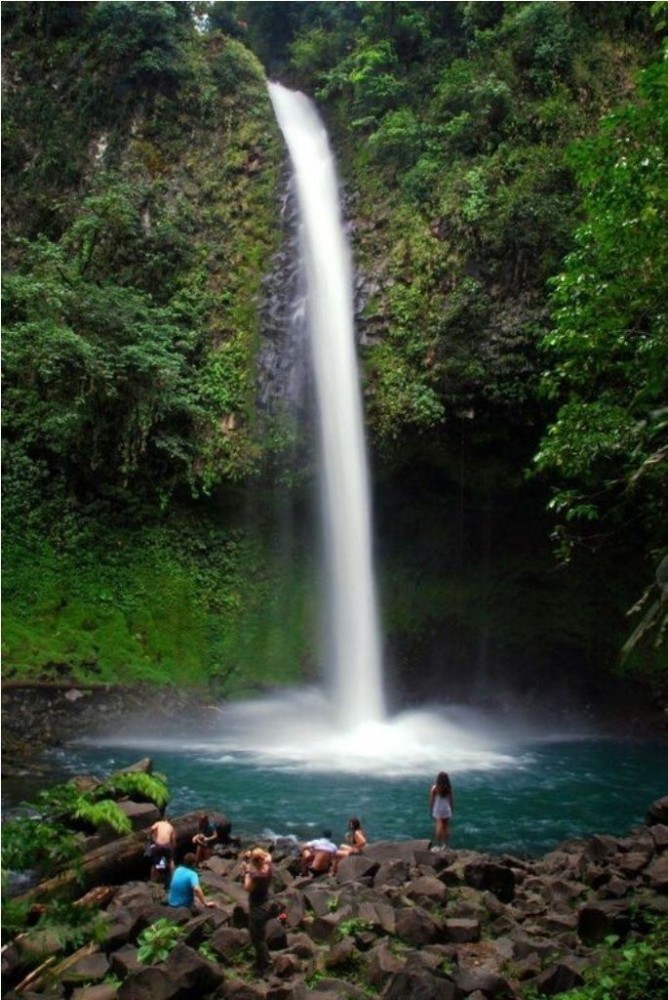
column 293, row 763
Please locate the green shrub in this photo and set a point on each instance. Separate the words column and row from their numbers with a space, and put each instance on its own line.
column 636, row 971
column 157, row 941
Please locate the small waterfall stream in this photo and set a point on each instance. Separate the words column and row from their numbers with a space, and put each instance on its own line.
column 353, row 657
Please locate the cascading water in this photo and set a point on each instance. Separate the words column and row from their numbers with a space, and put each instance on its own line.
column 353, row 657
column 344, row 729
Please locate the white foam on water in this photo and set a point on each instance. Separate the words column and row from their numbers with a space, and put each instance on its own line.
column 298, row 730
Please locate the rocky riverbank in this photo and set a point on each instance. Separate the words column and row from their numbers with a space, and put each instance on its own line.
column 36, row 717
column 400, row 921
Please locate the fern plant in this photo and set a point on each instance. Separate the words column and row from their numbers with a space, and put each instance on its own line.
column 137, row 785
column 107, row 813
column 43, row 837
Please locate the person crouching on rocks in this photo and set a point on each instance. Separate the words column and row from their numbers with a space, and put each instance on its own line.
column 257, row 874
column 204, row 839
column 317, row 856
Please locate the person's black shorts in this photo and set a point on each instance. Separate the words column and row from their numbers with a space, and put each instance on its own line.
column 160, row 852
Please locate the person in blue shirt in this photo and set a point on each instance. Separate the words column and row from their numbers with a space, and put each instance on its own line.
column 184, row 888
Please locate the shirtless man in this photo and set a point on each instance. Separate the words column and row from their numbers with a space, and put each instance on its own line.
column 317, row 856
column 163, row 836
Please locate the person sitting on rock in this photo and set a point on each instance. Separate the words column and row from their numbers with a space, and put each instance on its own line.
column 204, row 839
column 317, row 856
column 184, row 889
column 355, row 842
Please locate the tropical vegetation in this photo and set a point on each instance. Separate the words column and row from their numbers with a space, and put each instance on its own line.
column 503, row 169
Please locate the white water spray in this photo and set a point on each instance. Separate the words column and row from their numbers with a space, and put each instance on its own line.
column 353, row 649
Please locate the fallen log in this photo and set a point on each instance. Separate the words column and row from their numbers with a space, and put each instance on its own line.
column 119, row 861
column 36, row 978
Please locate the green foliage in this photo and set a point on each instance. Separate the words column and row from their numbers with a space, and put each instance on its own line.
column 636, row 970
column 44, row 837
column 607, row 350
column 41, row 839
column 352, row 926
column 207, row 952
column 72, row 924
column 136, row 785
column 97, row 384
column 104, row 813
column 15, row 914
column 157, row 941
column 140, row 43
column 186, row 602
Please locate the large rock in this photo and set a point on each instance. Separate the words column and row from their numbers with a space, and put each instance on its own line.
column 381, row 965
column 416, row 926
column 421, row 984
column 599, row 919
column 152, row 983
column 658, row 812
column 462, row 931
column 141, row 814
column 380, row 916
column 355, row 867
column 195, row 975
column 559, row 978
column 103, row 991
column 402, row 850
column 426, row 889
column 657, row 874
column 228, row 942
column 487, row 875
column 491, row 984
column 90, row 969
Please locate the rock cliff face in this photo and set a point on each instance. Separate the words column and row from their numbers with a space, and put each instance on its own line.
column 401, row 919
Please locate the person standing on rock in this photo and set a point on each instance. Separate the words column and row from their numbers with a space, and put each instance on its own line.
column 257, row 873
column 163, row 836
column 441, row 807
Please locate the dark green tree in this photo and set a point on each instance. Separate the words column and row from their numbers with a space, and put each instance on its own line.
column 607, row 349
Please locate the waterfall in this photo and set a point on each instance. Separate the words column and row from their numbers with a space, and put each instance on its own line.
column 353, row 663
column 345, row 728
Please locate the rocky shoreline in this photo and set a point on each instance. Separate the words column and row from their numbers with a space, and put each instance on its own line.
column 39, row 716
column 401, row 920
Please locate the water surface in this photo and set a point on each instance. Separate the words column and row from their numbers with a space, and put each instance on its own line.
column 540, row 793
